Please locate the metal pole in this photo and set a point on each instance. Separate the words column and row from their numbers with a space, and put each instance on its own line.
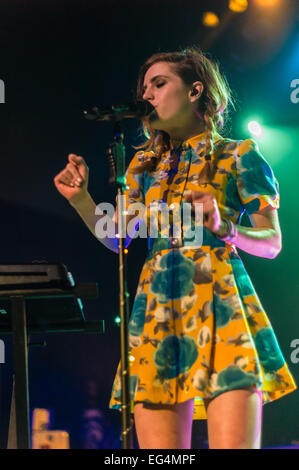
column 125, row 373
column 116, row 162
column 20, row 347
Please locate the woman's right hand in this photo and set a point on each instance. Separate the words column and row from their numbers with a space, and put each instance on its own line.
column 72, row 181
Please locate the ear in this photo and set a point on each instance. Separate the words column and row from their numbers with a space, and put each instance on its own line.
column 195, row 91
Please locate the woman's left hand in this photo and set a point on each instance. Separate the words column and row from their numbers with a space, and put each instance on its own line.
column 211, row 214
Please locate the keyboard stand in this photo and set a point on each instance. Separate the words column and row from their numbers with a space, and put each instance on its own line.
column 21, row 324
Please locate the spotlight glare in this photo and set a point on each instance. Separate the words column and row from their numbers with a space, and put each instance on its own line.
column 267, row 3
column 210, row 19
column 238, row 6
column 255, row 129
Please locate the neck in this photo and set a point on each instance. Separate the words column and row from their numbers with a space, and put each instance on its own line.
column 178, row 135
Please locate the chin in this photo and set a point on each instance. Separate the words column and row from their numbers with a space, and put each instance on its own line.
column 157, row 124
column 160, row 124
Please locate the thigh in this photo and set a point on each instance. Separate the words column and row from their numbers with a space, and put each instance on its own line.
column 164, row 426
column 235, row 419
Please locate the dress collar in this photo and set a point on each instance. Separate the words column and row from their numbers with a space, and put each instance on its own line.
column 194, row 142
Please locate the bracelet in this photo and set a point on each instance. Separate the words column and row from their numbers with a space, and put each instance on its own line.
column 231, row 232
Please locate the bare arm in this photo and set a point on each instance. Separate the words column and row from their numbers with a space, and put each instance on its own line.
column 263, row 239
column 86, row 209
column 72, row 183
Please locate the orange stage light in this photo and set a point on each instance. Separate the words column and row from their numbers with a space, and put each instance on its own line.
column 238, row 6
column 267, row 3
column 210, row 19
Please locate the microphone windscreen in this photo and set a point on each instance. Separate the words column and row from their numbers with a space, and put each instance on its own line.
column 144, row 108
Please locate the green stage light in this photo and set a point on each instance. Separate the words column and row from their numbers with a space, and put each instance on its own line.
column 255, row 129
column 117, row 320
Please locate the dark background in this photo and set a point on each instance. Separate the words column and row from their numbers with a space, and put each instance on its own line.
column 58, row 58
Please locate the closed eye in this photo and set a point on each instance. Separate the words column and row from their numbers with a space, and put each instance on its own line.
column 158, row 85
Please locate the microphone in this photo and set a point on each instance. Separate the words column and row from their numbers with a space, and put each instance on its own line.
column 135, row 110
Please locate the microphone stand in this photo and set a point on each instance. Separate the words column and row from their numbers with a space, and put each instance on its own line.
column 116, row 156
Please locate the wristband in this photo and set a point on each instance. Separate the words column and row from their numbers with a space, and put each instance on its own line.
column 231, row 232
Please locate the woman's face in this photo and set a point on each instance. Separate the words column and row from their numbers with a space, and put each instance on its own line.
column 166, row 91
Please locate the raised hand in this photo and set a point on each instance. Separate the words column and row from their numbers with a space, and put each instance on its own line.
column 72, row 181
column 211, row 214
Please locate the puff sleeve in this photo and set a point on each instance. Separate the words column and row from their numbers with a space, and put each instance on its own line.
column 256, row 183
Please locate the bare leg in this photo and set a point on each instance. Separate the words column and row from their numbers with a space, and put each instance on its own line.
column 164, row 426
column 235, row 419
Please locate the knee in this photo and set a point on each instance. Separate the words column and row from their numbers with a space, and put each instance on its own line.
column 236, row 441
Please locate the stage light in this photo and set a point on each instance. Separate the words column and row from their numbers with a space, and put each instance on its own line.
column 238, row 6
column 126, row 251
column 267, row 3
column 210, row 19
column 255, row 129
column 279, row 144
column 117, row 320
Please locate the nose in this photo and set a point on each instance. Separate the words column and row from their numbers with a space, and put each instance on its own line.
column 147, row 95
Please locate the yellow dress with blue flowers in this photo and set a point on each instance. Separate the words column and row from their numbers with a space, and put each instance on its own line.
column 197, row 327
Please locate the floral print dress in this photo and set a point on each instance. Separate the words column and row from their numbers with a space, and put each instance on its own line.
column 198, row 328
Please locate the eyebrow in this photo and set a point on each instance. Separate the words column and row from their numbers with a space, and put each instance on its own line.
column 152, row 80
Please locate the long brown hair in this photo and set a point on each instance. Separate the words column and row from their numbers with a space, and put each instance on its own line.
column 190, row 65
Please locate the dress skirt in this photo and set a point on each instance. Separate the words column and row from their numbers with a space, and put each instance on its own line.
column 198, row 329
